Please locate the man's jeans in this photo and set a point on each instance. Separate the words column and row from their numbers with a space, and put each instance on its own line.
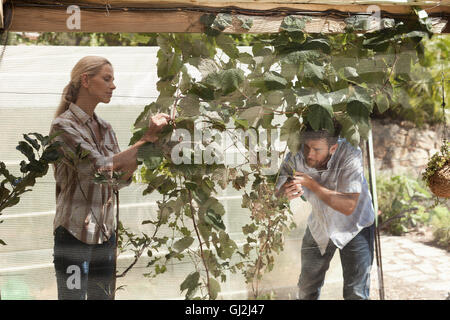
column 356, row 261
column 83, row 270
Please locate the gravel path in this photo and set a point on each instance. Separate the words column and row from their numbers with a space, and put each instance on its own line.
column 412, row 270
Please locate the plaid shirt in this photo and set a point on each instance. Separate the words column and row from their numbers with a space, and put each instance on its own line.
column 83, row 207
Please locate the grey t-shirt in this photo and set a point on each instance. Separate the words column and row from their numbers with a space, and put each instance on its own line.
column 345, row 174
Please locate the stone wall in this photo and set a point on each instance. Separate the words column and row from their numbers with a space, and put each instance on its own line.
column 401, row 148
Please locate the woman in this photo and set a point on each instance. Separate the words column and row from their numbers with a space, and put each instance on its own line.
column 84, row 247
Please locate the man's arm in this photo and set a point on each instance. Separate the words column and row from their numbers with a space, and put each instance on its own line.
column 345, row 203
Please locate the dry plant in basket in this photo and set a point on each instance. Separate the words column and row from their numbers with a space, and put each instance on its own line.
column 437, row 173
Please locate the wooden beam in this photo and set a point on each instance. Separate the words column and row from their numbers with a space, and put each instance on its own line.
column 351, row 6
column 33, row 19
column 343, row 5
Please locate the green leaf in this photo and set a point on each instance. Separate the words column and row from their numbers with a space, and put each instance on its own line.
column 10, row 203
column 222, row 21
column 362, row 96
column 317, row 44
column 190, row 106
column 191, row 185
column 294, row 24
column 203, row 90
column 26, row 150
column 214, row 219
column 358, row 112
column 151, row 155
column 163, row 215
column 190, row 284
column 50, row 155
column 207, row 20
column 33, row 142
column 270, row 81
column 227, row 44
column 290, row 132
column 320, row 117
column 245, row 58
column 168, row 64
column 214, row 288
column 183, row 244
column 166, row 89
column 40, row 137
column 3, row 243
column 349, row 72
column 320, row 114
column 226, row 80
column 312, row 71
column 241, row 123
column 382, row 102
column 227, row 246
column 167, row 186
column 186, row 79
column 249, row 228
column 252, row 115
column 358, row 23
column 231, row 80
column 297, row 57
column 289, row 70
column 246, row 23
column 47, row 139
column 349, row 130
column 6, row 173
column 142, row 119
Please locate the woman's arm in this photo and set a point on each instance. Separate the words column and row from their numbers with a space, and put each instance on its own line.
column 126, row 161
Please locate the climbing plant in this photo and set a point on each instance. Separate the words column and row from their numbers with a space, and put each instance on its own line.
column 40, row 152
column 211, row 87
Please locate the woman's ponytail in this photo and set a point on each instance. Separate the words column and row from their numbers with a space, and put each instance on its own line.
column 69, row 95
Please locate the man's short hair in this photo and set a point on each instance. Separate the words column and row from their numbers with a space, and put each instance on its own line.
column 332, row 137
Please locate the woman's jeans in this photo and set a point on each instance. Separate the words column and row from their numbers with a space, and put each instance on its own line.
column 83, row 271
column 356, row 261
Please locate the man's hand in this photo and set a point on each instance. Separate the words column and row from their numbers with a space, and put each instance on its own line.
column 293, row 188
column 345, row 203
column 304, row 179
column 156, row 124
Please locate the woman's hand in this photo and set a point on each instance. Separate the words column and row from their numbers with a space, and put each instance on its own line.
column 156, row 124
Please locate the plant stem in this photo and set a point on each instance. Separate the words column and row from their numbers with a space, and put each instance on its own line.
column 139, row 254
column 200, row 242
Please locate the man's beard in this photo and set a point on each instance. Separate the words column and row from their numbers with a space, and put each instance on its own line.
column 320, row 165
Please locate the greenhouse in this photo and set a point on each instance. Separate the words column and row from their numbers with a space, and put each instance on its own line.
column 203, row 212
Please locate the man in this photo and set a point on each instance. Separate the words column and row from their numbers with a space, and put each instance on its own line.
column 328, row 172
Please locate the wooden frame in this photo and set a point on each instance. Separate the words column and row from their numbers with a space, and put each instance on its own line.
column 394, row 6
column 1, row 13
column 115, row 17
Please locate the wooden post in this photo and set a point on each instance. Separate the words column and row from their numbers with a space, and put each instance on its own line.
column 1, row 13
column 373, row 191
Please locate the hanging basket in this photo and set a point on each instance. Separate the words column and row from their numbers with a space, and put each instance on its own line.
column 439, row 182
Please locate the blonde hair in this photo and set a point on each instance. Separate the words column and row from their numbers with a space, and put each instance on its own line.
column 91, row 65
